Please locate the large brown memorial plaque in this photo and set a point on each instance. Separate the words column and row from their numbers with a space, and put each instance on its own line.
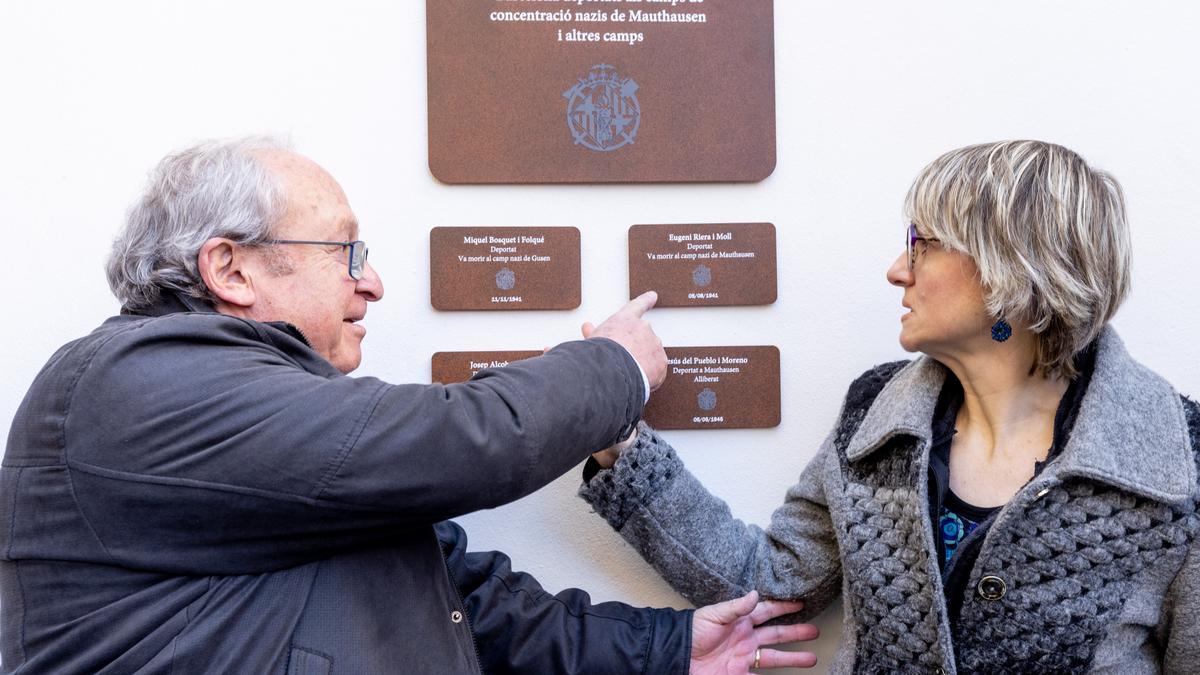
column 582, row 91
column 701, row 265
column 451, row 367
column 487, row 268
column 717, row 388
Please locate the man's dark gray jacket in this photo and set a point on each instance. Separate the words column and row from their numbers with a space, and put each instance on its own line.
column 191, row 492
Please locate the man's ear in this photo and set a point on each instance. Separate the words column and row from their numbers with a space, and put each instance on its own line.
column 223, row 268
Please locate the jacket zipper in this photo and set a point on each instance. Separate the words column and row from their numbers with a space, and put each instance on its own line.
column 461, row 603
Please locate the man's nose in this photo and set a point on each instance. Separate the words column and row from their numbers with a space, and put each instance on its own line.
column 370, row 284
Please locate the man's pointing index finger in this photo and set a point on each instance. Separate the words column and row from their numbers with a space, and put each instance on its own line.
column 641, row 304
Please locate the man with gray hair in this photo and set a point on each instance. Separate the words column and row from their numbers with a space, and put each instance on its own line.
column 199, row 486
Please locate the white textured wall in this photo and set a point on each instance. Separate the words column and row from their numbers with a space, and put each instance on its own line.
column 92, row 94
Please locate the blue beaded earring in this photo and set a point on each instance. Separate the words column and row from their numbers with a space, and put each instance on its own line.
column 1001, row 331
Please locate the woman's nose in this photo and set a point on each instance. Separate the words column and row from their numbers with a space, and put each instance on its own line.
column 899, row 274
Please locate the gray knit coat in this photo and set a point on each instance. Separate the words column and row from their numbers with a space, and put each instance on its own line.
column 1093, row 566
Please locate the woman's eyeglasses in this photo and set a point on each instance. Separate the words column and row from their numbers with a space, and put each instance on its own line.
column 911, row 237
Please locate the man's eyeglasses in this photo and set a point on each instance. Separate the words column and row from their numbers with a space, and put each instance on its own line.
column 910, row 241
column 358, row 252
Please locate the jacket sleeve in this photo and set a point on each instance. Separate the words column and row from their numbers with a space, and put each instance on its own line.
column 206, row 447
column 520, row 628
column 695, row 543
column 1180, row 630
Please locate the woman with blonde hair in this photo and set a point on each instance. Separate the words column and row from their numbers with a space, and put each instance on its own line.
column 1021, row 498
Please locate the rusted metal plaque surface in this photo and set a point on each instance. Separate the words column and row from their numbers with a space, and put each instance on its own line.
column 717, row 388
column 451, row 367
column 487, row 268
column 582, row 91
column 705, row 264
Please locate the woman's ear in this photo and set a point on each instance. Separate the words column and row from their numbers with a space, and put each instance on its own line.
column 223, row 267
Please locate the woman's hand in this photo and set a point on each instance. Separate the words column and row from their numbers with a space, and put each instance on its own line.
column 608, row 456
column 726, row 637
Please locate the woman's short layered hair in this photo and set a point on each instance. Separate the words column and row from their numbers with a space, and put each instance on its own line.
column 1047, row 232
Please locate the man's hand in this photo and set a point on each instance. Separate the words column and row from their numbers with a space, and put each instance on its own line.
column 726, row 639
column 628, row 329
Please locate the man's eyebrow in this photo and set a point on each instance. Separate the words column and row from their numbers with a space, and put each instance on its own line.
column 351, row 228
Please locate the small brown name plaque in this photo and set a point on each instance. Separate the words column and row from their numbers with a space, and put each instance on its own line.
column 617, row 91
column 717, row 388
column 487, row 268
column 451, row 367
column 704, row 265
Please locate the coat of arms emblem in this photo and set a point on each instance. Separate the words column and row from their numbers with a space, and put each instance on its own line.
column 702, row 275
column 506, row 279
column 603, row 113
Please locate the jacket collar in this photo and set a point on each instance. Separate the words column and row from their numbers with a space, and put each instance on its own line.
column 1131, row 431
column 174, row 302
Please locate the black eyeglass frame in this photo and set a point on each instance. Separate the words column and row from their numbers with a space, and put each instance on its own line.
column 910, row 242
column 357, row 262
